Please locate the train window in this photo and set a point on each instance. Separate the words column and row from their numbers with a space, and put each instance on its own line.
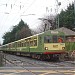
column 35, row 42
column 19, row 44
column 22, row 44
column 61, row 39
column 55, row 39
column 9, row 45
column 13, row 44
column 16, row 44
column 27, row 43
column 47, row 39
column 31, row 43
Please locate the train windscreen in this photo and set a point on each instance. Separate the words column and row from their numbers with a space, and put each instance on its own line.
column 47, row 39
column 54, row 39
column 61, row 39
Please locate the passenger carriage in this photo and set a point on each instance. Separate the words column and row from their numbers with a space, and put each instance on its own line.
column 46, row 45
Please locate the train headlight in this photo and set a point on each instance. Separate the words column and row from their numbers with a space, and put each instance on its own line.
column 63, row 48
column 46, row 48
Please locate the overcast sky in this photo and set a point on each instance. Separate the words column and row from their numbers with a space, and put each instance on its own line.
column 12, row 11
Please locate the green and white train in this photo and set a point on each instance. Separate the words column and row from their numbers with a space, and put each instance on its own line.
column 46, row 45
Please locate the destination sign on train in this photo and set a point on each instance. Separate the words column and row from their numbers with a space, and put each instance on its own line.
column 54, row 32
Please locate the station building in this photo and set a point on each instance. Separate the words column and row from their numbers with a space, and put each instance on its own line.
column 70, row 35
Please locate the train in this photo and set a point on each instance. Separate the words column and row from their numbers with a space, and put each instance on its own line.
column 46, row 45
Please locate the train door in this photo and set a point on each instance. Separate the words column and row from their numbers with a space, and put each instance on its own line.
column 40, row 43
column 28, row 46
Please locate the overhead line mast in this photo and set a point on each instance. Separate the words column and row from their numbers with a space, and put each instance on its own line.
column 74, row 12
column 57, row 20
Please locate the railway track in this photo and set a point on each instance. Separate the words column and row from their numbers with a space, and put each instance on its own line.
column 16, row 62
column 32, row 65
column 29, row 62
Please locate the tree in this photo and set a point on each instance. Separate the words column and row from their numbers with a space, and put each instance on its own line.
column 7, row 37
column 48, row 23
column 23, row 33
column 18, row 32
column 66, row 18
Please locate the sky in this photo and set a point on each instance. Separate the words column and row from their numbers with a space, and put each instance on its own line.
column 12, row 11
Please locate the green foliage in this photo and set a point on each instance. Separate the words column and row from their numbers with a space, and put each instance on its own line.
column 66, row 18
column 70, row 46
column 18, row 32
column 5, row 37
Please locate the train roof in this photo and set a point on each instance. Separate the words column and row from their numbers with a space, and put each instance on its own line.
column 51, row 31
column 23, row 39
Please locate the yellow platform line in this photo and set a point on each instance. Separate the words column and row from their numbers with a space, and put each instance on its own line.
column 67, row 71
column 48, row 73
column 73, row 71
column 13, row 70
column 44, row 72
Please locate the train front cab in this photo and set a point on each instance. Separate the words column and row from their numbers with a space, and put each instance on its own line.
column 54, row 46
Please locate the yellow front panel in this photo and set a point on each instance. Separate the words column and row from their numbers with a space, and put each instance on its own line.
column 54, row 46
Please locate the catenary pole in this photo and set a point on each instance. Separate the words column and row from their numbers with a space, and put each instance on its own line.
column 58, row 4
column 74, row 12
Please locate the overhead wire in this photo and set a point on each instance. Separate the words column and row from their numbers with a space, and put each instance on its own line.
column 8, row 15
column 25, row 10
column 7, row 18
column 16, row 13
column 2, row 20
column 1, row 23
column 4, row 9
column 29, row 6
column 2, row 12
